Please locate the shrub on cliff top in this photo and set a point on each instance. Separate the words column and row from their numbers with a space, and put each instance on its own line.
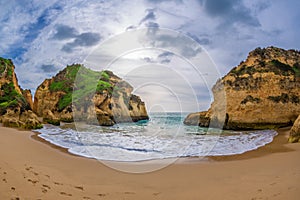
column 6, row 65
column 296, row 69
column 274, row 66
column 88, row 82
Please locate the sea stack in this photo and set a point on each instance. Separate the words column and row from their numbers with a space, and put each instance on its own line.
column 15, row 103
column 262, row 92
column 99, row 98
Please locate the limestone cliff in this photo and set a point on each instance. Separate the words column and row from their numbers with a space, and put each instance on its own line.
column 15, row 103
column 295, row 131
column 28, row 97
column 261, row 92
column 99, row 98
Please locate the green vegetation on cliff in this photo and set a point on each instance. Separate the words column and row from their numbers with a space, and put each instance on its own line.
column 296, row 69
column 64, row 82
column 88, row 82
column 6, row 68
column 285, row 98
column 251, row 99
column 274, row 66
column 9, row 97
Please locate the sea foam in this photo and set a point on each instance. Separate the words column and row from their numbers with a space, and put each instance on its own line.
column 164, row 136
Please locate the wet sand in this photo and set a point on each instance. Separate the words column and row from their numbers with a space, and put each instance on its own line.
column 30, row 168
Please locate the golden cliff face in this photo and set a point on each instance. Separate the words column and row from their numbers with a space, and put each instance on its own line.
column 28, row 97
column 262, row 92
column 45, row 104
column 15, row 103
column 109, row 103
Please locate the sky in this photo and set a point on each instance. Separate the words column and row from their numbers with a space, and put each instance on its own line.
column 42, row 37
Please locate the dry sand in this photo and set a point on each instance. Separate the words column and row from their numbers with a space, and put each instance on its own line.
column 31, row 169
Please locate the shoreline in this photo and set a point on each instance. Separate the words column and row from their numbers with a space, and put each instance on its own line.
column 33, row 169
column 35, row 137
column 276, row 146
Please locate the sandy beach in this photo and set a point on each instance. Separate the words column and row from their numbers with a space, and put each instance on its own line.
column 33, row 169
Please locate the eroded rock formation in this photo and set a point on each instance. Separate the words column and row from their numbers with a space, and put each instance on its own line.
column 262, row 92
column 15, row 103
column 99, row 98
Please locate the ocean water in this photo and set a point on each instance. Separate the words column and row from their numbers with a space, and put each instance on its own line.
column 163, row 136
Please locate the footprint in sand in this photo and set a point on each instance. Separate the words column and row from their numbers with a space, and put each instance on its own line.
column 32, row 181
column 57, row 183
column 45, row 188
column 277, row 194
column 79, row 187
column 66, row 194
column 35, row 173
column 156, row 193
column 4, row 180
column 13, row 188
column 86, row 198
column 101, row 195
column 28, row 168
column 129, row 192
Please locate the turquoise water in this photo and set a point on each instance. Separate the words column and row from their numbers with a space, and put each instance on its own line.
column 163, row 136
